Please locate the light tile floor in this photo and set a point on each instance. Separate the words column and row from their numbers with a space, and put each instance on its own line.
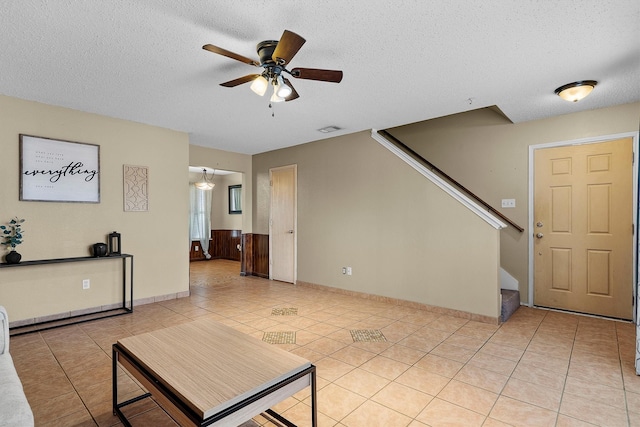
column 540, row 368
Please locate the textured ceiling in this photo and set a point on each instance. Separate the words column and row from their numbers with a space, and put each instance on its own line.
column 403, row 61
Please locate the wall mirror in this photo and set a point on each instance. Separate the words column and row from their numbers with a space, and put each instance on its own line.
column 235, row 199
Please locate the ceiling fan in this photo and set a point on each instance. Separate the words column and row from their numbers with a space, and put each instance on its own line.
column 274, row 57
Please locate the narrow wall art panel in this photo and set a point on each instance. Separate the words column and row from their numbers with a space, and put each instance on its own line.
column 136, row 188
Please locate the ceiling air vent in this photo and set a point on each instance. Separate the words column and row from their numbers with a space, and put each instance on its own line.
column 329, row 129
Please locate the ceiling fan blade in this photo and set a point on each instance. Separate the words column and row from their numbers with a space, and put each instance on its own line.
column 240, row 80
column 294, row 94
column 289, row 44
column 229, row 54
column 333, row 76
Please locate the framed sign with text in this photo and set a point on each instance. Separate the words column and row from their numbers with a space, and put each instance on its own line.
column 53, row 170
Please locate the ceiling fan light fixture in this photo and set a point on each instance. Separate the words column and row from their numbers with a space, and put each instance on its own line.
column 205, row 183
column 282, row 89
column 274, row 56
column 260, row 85
column 275, row 97
column 574, row 92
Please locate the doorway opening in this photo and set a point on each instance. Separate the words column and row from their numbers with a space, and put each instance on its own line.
column 218, row 233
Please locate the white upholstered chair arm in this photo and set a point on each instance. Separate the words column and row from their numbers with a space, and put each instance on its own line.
column 4, row 331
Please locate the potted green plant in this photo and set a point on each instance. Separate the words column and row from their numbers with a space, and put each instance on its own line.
column 12, row 236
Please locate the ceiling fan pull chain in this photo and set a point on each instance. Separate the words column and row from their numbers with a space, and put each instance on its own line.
column 273, row 113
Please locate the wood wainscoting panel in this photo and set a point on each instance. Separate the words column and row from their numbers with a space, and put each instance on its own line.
column 246, row 262
column 225, row 244
column 196, row 254
column 255, row 255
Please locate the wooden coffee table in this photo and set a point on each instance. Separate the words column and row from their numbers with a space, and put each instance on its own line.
column 205, row 373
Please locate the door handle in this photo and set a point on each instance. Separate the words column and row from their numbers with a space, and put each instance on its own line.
column 290, row 231
column 539, row 235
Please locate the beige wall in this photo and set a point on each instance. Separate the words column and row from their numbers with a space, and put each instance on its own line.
column 225, row 160
column 156, row 238
column 220, row 218
column 489, row 155
column 360, row 206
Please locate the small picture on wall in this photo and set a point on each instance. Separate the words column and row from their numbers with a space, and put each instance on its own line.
column 53, row 170
column 136, row 188
column 235, row 199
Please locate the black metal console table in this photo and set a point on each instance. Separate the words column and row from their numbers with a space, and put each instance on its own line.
column 127, row 305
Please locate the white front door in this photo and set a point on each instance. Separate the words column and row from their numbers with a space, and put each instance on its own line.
column 583, row 223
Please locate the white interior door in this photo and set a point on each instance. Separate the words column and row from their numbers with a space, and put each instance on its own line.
column 282, row 224
column 638, row 316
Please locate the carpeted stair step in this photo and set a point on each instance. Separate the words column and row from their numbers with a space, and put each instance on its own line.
column 510, row 303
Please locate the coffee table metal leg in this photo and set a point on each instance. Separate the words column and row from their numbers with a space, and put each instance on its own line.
column 114, row 380
column 314, row 408
column 314, row 414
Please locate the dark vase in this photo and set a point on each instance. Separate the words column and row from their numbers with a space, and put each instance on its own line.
column 12, row 257
column 99, row 249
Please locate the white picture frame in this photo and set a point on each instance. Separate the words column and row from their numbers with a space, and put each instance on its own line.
column 53, row 170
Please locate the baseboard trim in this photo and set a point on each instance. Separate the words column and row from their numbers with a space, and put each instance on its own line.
column 94, row 310
column 405, row 303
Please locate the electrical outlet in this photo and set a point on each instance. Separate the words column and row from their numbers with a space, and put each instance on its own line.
column 508, row 203
column 349, row 271
column 86, row 284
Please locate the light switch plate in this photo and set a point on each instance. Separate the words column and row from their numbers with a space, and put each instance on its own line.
column 508, row 203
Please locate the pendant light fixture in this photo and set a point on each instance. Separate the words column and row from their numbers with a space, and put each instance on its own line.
column 574, row 92
column 205, row 183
